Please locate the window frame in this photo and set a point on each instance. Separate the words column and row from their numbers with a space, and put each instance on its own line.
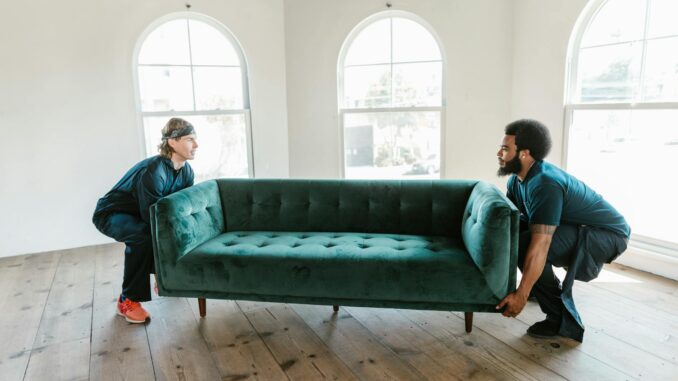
column 237, row 47
column 342, row 111
column 570, row 106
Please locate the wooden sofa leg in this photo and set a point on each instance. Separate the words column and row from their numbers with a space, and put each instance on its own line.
column 468, row 319
column 335, row 308
column 202, row 306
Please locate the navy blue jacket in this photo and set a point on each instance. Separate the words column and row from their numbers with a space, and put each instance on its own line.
column 143, row 185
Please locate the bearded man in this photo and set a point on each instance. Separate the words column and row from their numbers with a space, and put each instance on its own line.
column 564, row 223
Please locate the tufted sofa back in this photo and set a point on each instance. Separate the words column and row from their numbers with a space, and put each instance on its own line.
column 422, row 207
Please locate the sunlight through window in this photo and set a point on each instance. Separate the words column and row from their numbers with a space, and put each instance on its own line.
column 191, row 67
column 391, row 99
column 622, row 112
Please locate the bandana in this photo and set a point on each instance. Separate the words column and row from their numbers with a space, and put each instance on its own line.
column 176, row 134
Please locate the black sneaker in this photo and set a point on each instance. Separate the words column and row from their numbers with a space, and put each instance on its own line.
column 545, row 329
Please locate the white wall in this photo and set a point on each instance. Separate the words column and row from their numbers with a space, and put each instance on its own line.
column 67, row 114
column 542, row 32
column 477, row 41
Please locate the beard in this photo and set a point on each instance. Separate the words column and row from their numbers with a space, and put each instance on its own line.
column 510, row 167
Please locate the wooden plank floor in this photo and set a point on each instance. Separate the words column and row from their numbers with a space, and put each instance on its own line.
column 58, row 322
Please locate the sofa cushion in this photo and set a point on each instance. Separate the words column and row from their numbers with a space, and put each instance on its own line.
column 345, row 265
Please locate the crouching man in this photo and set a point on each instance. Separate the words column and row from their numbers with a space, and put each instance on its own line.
column 564, row 223
column 123, row 213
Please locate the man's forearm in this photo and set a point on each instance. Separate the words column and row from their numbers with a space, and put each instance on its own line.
column 533, row 266
column 535, row 260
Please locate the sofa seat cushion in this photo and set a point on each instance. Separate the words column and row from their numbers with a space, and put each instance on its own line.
column 345, row 265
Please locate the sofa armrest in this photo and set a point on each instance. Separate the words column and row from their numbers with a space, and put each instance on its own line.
column 184, row 220
column 490, row 234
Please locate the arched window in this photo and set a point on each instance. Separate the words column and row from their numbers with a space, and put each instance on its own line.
column 190, row 66
column 622, row 112
column 390, row 75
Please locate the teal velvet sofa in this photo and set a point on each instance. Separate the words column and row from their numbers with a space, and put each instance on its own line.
column 441, row 245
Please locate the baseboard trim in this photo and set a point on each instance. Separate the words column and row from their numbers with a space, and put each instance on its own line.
column 652, row 262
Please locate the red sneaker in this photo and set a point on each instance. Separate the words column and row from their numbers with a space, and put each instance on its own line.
column 133, row 312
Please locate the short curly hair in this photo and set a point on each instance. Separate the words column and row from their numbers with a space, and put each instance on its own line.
column 531, row 134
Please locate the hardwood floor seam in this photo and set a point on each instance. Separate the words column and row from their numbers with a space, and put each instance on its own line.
column 261, row 338
column 322, row 341
column 91, row 317
column 42, row 315
column 593, row 358
column 207, row 344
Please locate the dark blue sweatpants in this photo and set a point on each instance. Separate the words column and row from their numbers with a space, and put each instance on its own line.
column 136, row 234
column 582, row 250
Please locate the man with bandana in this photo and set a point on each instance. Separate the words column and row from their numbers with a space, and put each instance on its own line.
column 564, row 223
column 123, row 213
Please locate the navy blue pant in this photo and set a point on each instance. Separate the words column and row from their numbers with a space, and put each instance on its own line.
column 582, row 250
column 136, row 234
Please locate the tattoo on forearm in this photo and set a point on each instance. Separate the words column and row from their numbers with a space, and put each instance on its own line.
column 542, row 229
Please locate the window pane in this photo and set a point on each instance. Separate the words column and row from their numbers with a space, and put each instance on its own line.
column 218, row 88
column 210, row 47
column 372, row 45
column 417, row 84
column 167, row 45
column 367, row 86
column 627, row 157
column 413, row 43
column 663, row 14
column 165, row 88
column 661, row 70
column 616, row 21
column 222, row 141
column 608, row 73
column 399, row 145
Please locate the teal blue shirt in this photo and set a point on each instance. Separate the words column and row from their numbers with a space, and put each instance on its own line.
column 550, row 196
